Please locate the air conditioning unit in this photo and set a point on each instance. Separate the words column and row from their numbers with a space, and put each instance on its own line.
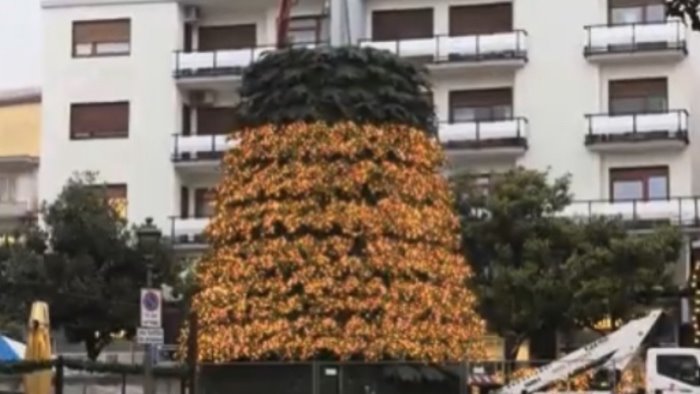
column 202, row 98
column 191, row 13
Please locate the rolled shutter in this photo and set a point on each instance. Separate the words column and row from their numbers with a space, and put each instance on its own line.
column 99, row 119
column 481, row 19
column 402, row 24
column 102, row 31
column 213, row 38
column 215, row 120
column 481, row 98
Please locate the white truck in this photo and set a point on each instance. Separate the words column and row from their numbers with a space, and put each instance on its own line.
column 667, row 370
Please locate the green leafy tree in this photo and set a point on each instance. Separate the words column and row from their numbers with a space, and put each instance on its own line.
column 689, row 10
column 518, row 249
column 537, row 272
column 93, row 268
column 616, row 273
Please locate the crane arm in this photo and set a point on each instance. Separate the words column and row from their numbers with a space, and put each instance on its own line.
column 285, row 12
column 613, row 351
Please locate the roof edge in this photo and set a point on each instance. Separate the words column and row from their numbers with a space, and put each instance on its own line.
column 84, row 3
column 20, row 96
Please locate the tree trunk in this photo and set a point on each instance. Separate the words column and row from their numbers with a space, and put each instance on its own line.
column 511, row 346
column 543, row 345
column 94, row 346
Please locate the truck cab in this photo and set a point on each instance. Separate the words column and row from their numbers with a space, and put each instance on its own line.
column 673, row 370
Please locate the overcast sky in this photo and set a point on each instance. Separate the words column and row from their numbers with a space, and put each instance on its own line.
column 20, row 40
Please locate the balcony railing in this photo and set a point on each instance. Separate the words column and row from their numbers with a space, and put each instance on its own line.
column 484, row 133
column 14, row 209
column 188, row 230
column 635, row 37
column 201, row 147
column 221, row 62
column 440, row 49
column 637, row 127
column 682, row 211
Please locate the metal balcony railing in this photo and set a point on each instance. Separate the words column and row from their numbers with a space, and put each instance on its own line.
column 14, row 209
column 201, row 147
column 484, row 133
column 222, row 62
column 672, row 124
column 443, row 48
column 188, row 230
column 635, row 37
column 681, row 211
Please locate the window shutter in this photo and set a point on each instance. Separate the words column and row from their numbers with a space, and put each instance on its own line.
column 213, row 38
column 215, row 120
column 101, row 31
column 402, row 24
column 184, row 202
column 481, row 19
column 99, row 120
column 633, row 3
column 203, row 199
column 186, row 120
column 638, row 88
column 481, row 98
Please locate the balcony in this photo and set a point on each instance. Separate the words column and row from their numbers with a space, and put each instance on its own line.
column 491, row 138
column 188, row 232
column 663, row 40
column 14, row 209
column 630, row 132
column 200, row 152
column 209, row 70
column 457, row 52
column 680, row 211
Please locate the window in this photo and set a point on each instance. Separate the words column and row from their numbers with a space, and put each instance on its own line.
column 116, row 195
column 215, row 120
column 204, row 203
column 307, row 29
column 402, row 24
column 683, row 368
column 214, row 38
column 637, row 11
column 651, row 183
column 102, row 38
column 99, row 120
column 638, row 96
column 8, row 186
column 480, row 105
column 481, row 19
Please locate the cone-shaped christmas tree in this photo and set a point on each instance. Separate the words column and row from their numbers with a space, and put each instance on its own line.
column 334, row 234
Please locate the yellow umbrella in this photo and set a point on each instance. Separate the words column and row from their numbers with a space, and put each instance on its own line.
column 38, row 349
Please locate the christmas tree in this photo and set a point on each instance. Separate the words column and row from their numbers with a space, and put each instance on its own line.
column 335, row 235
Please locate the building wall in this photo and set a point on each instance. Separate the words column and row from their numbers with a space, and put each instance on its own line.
column 558, row 86
column 20, row 129
column 144, row 78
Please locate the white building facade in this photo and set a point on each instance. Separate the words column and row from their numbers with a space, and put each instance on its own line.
column 142, row 91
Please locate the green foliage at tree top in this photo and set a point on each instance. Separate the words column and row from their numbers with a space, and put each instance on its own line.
column 347, row 84
column 87, row 265
column 536, row 270
column 688, row 10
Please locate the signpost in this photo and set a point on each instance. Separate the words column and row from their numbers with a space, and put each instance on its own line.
column 151, row 308
column 149, row 336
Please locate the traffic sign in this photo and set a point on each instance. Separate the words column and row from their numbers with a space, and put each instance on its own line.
column 151, row 308
column 149, row 336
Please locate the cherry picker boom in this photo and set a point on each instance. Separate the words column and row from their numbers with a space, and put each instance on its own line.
column 667, row 369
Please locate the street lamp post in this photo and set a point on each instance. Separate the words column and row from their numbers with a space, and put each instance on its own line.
column 148, row 239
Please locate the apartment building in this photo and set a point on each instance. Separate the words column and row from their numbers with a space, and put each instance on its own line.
column 20, row 129
column 142, row 91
